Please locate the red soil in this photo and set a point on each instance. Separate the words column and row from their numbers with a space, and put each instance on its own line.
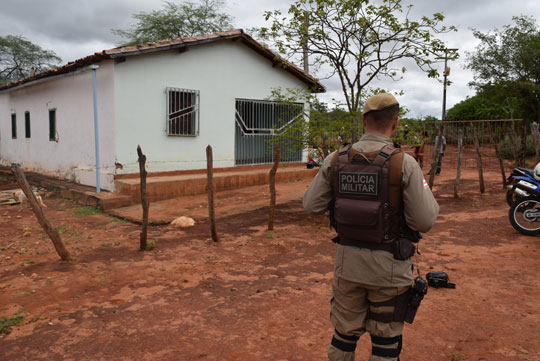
column 257, row 295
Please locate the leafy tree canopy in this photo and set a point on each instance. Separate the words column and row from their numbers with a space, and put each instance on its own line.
column 20, row 58
column 177, row 20
column 360, row 41
column 479, row 107
column 506, row 66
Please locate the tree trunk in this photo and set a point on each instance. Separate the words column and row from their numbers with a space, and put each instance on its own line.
column 210, row 188
column 144, row 198
column 478, row 161
column 460, row 154
column 38, row 211
column 498, row 154
column 272, row 182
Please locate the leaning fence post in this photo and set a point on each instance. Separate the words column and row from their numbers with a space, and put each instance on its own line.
column 144, row 198
column 272, row 182
column 478, row 161
column 460, row 154
column 210, row 188
column 38, row 211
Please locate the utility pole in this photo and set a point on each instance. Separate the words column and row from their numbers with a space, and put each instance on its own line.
column 446, row 74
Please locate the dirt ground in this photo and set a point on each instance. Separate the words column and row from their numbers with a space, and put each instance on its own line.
column 256, row 295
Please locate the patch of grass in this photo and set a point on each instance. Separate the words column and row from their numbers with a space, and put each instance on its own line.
column 151, row 245
column 270, row 235
column 31, row 292
column 458, row 357
column 4, row 177
column 50, row 282
column 113, row 244
column 6, row 323
column 85, row 211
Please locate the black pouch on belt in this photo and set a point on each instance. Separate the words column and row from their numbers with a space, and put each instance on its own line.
column 402, row 249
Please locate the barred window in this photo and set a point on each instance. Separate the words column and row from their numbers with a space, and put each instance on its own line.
column 182, row 112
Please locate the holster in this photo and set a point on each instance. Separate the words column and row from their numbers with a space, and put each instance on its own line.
column 403, row 249
column 405, row 305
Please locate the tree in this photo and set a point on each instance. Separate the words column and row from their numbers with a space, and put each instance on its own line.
column 361, row 42
column 177, row 20
column 506, row 66
column 479, row 107
column 20, row 58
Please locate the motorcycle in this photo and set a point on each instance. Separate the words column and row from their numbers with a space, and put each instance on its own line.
column 517, row 187
column 524, row 213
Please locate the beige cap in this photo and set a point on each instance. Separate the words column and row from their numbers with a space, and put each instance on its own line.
column 379, row 102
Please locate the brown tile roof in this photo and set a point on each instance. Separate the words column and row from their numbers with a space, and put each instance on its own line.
column 177, row 43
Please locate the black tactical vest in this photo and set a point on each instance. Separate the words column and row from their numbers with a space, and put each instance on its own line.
column 367, row 205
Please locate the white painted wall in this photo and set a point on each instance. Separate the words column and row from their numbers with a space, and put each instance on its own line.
column 73, row 156
column 221, row 71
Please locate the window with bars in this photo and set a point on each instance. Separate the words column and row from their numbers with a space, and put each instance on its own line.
column 13, row 126
column 182, row 112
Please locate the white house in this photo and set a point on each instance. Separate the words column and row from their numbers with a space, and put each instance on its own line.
column 172, row 97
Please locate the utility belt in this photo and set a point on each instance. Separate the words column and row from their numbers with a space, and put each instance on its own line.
column 400, row 248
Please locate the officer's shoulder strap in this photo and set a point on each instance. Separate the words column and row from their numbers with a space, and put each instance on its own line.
column 342, row 153
column 396, row 173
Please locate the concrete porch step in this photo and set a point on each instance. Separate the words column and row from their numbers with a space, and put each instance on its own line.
column 164, row 186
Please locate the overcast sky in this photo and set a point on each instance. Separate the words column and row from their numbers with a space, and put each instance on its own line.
column 76, row 28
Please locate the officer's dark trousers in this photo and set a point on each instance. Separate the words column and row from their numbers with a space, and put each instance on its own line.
column 348, row 313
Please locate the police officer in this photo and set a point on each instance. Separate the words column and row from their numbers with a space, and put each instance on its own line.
column 378, row 200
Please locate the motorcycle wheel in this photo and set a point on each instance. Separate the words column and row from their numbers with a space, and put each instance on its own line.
column 525, row 216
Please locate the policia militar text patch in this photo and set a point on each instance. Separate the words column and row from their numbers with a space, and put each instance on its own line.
column 358, row 183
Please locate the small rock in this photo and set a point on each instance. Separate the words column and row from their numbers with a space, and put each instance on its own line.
column 182, row 222
column 50, row 323
column 259, row 291
column 26, row 234
column 19, row 216
column 234, row 289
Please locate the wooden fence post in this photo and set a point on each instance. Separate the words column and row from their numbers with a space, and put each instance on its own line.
column 460, row 154
column 498, row 154
column 478, row 160
column 38, row 211
column 523, row 152
column 272, row 183
column 536, row 138
column 144, row 198
column 512, row 137
column 435, row 156
column 210, row 188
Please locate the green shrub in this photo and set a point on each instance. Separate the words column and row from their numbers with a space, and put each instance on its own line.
column 505, row 147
